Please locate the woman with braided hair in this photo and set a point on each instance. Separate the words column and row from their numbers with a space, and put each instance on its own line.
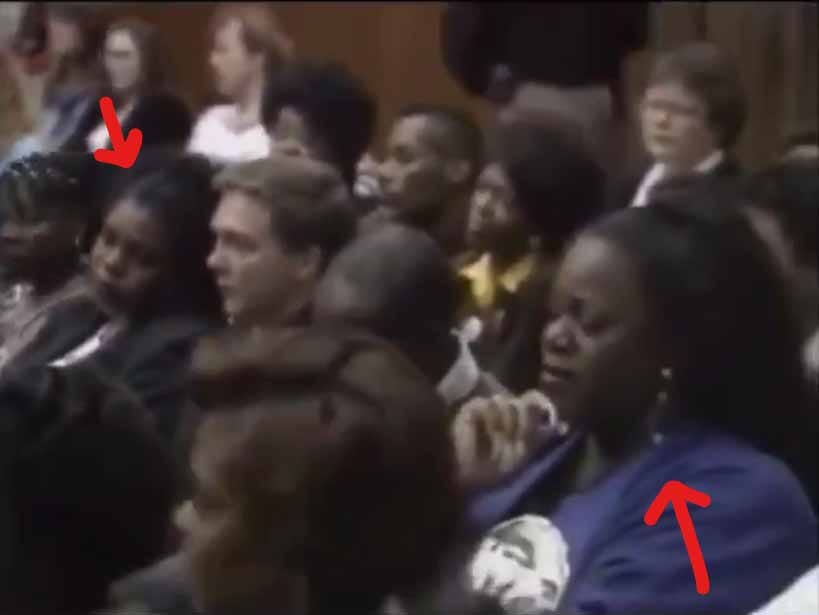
column 44, row 209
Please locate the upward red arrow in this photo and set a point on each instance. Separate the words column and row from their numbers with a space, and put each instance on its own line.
column 679, row 495
column 123, row 152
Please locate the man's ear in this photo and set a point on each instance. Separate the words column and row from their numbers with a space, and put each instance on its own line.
column 457, row 171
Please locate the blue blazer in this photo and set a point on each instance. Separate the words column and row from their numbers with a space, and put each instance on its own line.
column 758, row 534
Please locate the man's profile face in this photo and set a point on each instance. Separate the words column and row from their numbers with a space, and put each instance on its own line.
column 252, row 268
column 412, row 175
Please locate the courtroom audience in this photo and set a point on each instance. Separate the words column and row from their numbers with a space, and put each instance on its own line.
column 45, row 207
column 291, row 359
column 151, row 295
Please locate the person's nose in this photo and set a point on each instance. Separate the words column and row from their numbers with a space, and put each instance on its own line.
column 385, row 172
column 215, row 260
column 481, row 204
column 558, row 336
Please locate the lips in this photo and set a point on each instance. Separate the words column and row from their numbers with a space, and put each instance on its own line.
column 552, row 375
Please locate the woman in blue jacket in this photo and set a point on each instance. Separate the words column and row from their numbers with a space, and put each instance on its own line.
column 671, row 354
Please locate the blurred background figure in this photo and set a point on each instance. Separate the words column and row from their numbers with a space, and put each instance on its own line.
column 247, row 42
column 138, row 81
column 692, row 114
column 322, row 111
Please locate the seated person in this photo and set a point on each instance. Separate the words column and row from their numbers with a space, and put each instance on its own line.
column 396, row 283
column 664, row 371
column 558, row 188
column 247, row 42
column 692, row 114
column 137, row 82
column 152, row 294
column 322, row 111
column 433, row 157
column 501, row 257
column 88, row 492
column 302, row 429
column 45, row 207
column 278, row 223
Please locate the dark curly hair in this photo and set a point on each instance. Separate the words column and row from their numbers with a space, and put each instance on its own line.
column 558, row 184
column 336, row 106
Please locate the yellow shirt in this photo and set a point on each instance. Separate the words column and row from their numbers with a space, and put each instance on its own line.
column 486, row 281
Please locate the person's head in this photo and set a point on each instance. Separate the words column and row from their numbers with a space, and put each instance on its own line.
column 134, row 58
column 315, row 449
column 558, row 184
column 44, row 208
column 666, row 301
column 88, row 492
column 278, row 223
column 784, row 201
column 395, row 282
column 246, row 40
column 494, row 220
column 150, row 255
column 694, row 103
column 433, row 157
column 322, row 111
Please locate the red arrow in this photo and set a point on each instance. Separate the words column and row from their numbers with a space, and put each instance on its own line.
column 123, row 152
column 679, row 495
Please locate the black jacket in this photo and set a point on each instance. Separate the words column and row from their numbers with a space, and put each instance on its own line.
column 150, row 358
column 622, row 190
column 560, row 43
column 163, row 118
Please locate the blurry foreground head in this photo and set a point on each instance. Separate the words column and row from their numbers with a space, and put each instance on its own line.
column 325, row 473
column 87, row 493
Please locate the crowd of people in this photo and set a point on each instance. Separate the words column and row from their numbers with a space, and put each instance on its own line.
column 271, row 368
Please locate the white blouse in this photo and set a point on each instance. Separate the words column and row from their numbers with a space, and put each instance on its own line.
column 216, row 136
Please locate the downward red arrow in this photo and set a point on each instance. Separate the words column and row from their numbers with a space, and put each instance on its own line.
column 679, row 495
column 123, row 152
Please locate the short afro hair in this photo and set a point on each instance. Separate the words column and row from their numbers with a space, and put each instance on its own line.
column 335, row 104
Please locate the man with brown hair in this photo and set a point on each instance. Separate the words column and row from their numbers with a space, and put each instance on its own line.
column 247, row 41
column 692, row 114
column 278, row 223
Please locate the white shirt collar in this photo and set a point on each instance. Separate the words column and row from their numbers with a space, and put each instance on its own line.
column 658, row 172
column 463, row 376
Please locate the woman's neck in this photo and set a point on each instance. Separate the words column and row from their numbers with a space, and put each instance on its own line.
column 248, row 104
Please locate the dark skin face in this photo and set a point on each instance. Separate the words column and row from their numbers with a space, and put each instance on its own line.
column 413, row 175
column 600, row 352
column 127, row 259
column 494, row 223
